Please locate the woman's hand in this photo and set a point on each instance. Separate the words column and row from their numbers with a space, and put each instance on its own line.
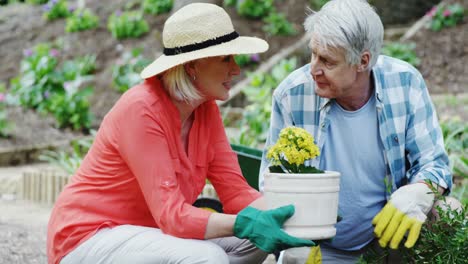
column 263, row 228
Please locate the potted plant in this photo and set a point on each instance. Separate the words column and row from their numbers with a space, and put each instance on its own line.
column 291, row 179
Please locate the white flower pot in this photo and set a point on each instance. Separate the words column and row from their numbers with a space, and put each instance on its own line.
column 314, row 196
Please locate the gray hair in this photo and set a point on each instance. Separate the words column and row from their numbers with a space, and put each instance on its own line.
column 352, row 25
column 179, row 85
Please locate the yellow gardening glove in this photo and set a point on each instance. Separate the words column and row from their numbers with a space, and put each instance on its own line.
column 315, row 256
column 406, row 211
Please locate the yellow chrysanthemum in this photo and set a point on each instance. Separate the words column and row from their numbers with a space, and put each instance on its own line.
column 294, row 146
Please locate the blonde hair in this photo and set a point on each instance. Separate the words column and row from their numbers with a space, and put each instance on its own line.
column 179, row 84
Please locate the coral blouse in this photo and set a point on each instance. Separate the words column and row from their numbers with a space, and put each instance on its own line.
column 138, row 173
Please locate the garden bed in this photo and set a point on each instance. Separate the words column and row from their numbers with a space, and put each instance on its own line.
column 22, row 27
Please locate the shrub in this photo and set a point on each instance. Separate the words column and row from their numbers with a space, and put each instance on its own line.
column 55, row 9
column 256, row 117
column 156, row 7
column 5, row 125
column 443, row 16
column 317, row 4
column 38, row 76
column 440, row 242
column 128, row 24
column 127, row 71
column 246, row 59
column 402, row 51
column 455, row 133
column 230, row 2
column 277, row 24
column 44, row 86
column 70, row 161
column 254, row 8
column 71, row 109
column 36, row 2
column 80, row 20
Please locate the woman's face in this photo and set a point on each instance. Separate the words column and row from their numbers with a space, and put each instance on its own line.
column 213, row 76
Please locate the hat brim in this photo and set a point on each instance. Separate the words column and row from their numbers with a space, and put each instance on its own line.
column 240, row 45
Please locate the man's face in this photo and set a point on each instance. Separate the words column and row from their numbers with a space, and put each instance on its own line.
column 333, row 76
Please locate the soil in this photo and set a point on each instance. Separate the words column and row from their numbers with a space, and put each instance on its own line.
column 22, row 27
column 443, row 56
column 23, row 240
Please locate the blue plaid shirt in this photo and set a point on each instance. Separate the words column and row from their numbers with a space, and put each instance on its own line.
column 408, row 125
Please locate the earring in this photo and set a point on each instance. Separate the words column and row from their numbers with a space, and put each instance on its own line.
column 194, row 78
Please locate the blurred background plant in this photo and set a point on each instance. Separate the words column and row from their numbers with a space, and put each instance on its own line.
column 276, row 24
column 48, row 86
column 55, row 9
column 127, row 71
column 36, row 2
column 5, row 125
column 443, row 15
column 256, row 116
column 402, row 51
column 254, row 8
column 80, row 20
column 127, row 24
column 70, row 159
column 247, row 59
column 317, row 4
column 156, row 7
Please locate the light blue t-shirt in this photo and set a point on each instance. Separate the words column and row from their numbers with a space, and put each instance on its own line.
column 353, row 148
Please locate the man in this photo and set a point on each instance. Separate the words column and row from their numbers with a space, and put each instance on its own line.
column 374, row 122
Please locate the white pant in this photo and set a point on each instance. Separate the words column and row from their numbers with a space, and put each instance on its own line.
column 138, row 244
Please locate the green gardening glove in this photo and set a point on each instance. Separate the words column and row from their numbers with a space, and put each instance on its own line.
column 263, row 228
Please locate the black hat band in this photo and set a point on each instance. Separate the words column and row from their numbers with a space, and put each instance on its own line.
column 201, row 45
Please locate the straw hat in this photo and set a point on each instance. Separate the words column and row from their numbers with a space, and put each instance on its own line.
column 197, row 31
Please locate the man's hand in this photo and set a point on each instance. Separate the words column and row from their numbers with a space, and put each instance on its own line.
column 263, row 228
column 406, row 211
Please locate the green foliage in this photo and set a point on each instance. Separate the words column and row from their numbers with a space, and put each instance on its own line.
column 317, row 4
column 70, row 161
column 6, row 2
column 254, row 8
column 55, row 9
column 81, row 19
column 277, row 24
column 156, row 7
column 230, row 2
column 48, row 88
column 444, row 241
column 5, row 125
column 246, row 59
column 443, row 16
column 81, row 66
column 38, row 76
column 36, row 2
column 128, row 24
column 256, row 117
column 441, row 241
column 127, row 71
column 71, row 109
column 455, row 133
column 402, row 51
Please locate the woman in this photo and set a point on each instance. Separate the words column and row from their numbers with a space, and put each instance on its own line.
column 131, row 199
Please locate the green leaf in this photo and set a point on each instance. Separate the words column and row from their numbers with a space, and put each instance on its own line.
column 276, row 169
column 307, row 169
